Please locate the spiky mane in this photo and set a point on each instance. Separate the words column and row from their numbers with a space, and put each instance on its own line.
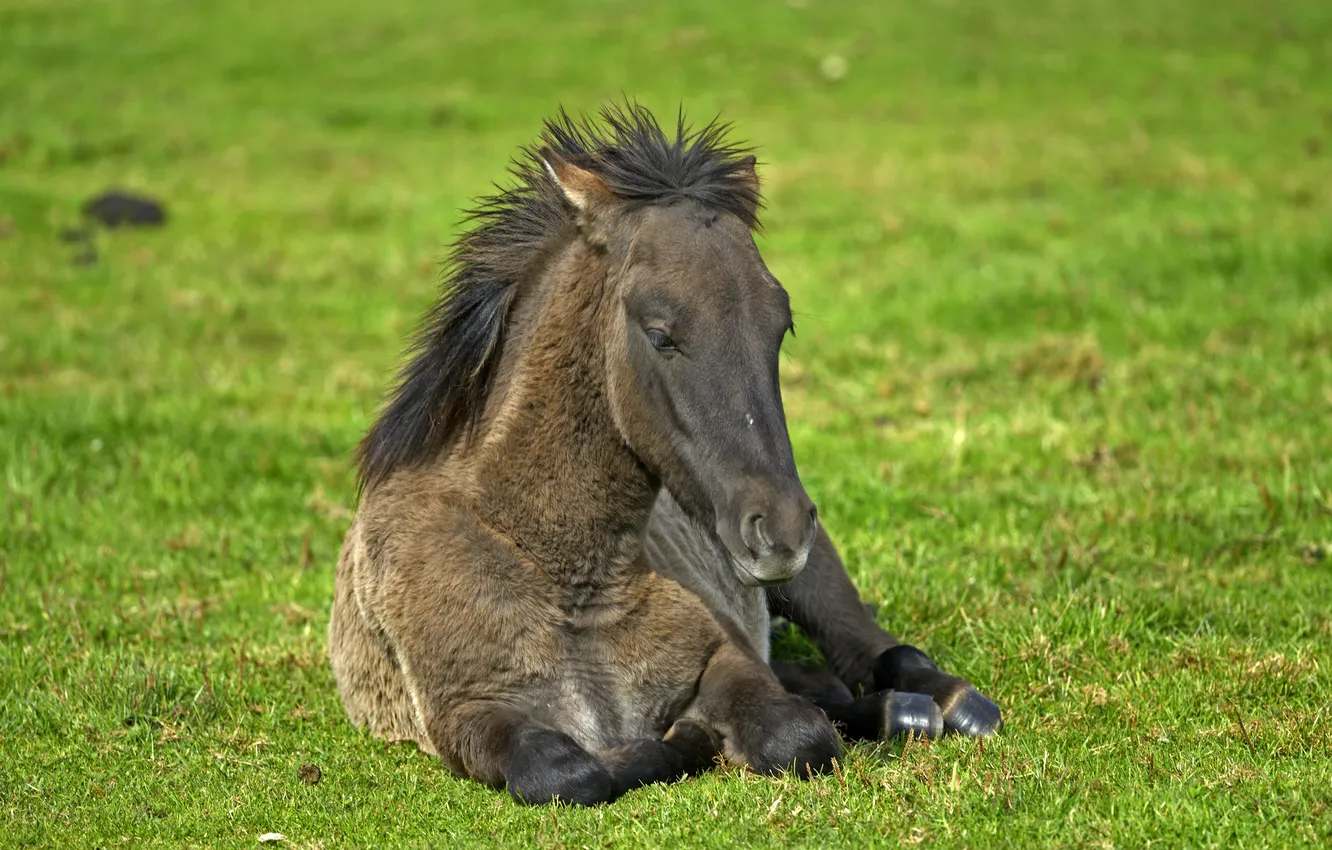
column 442, row 389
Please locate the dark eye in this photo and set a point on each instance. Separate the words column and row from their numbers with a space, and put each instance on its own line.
column 660, row 340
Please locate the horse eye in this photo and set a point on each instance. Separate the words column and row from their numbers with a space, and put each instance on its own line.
column 660, row 341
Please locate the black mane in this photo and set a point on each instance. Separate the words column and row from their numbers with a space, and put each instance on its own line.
column 442, row 390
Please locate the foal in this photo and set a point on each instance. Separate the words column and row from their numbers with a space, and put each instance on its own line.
column 608, row 330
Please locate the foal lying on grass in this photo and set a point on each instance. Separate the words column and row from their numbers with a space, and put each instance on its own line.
column 608, row 333
column 608, row 330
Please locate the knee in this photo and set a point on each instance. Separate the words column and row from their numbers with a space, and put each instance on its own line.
column 546, row 766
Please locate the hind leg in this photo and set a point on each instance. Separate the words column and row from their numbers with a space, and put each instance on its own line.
column 878, row 716
column 823, row 602
column 369, row 679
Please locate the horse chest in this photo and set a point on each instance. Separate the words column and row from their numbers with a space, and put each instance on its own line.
column 602, row 704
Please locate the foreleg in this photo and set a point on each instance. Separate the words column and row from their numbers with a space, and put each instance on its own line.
column 762, row 726
column 879, row 716
column 503, row 747
column 823, row 602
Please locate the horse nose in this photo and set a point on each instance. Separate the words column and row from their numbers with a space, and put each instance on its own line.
column 779, row 537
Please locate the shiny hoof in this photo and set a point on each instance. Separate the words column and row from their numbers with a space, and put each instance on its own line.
column 973, row 714
column 965, row 710
column 907, row 713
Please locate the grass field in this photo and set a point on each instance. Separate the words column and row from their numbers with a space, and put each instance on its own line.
column 1062, row 390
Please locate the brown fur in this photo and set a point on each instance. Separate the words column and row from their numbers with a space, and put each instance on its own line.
column 494, row 600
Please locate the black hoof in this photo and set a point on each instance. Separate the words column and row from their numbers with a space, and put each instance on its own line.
column 546, row 766
column 695, row 745
column 906, row 713
column 974, row 714
column 965, row 710
column 803, row 741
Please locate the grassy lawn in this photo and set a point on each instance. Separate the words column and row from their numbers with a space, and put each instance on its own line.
column 1062, row 389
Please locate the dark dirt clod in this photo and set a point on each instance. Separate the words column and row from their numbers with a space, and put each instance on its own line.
column 116, row 208
column 142, row 720
column 310, row 774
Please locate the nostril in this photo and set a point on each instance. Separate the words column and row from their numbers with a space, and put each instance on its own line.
column 756, row 536
column 761, row 529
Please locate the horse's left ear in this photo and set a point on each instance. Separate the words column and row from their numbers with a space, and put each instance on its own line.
column 747, row 170
column 583, row 189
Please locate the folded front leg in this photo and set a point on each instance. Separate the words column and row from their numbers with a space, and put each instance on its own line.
column 687, row 749
column 824, row 603
column 763, row 727
column 502, row 746
column 878, row 716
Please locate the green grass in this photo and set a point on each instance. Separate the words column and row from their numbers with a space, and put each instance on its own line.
column 1062, row 389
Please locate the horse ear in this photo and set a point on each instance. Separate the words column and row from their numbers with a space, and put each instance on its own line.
column 583, row 189
column 747, row 170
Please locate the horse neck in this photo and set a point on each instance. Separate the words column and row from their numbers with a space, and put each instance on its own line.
column 553, row 471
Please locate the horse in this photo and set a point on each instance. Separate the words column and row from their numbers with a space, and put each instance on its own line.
column 607, row 331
